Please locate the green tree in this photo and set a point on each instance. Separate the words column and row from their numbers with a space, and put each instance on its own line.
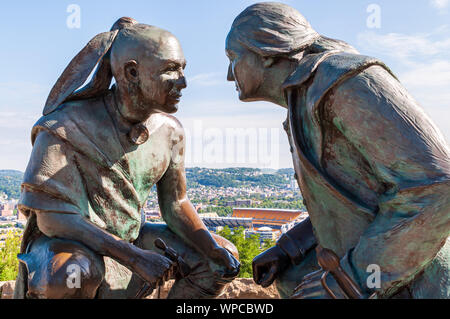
column 222, row 211
column 267, row 243
column 10, row 183
column 9, row 265
column 248, row 248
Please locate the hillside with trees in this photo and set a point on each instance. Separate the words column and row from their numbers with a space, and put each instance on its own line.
column 10, row 181
column 237, row 177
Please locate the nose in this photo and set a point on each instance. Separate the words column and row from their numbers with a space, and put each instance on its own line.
column 230, row 76
column 181, row 82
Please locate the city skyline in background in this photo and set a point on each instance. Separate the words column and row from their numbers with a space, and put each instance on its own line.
column 39, row 42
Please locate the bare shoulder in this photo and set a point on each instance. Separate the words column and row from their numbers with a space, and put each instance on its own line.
column 172, row 126
column 170, row 122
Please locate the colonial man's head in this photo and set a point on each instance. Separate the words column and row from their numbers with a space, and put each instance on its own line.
column 148, row 66
column 265, row 44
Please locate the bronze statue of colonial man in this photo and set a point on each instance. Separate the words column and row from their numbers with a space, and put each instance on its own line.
column 97, row 152
column 372, row 167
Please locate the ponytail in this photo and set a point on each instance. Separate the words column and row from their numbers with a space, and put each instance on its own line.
column 96, row 53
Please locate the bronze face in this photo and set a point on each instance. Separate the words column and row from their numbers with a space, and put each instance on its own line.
column 162, row 76
column 245, row 69
column 257, row 77
column 264, row 45
column 148, row 64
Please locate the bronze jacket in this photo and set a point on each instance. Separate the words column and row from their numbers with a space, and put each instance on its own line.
column 374, row 172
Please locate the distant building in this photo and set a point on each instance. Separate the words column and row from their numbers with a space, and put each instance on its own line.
column 278, row 219
column 6, row 212
column 268, row 223
column 264, row 233
column 208, row 215
column 20, row 216
column 294, row 184
column 230, row 203
column 151, row 214
column 239, row 202
column 243, row 202
column 7, row 208
column 217, row 223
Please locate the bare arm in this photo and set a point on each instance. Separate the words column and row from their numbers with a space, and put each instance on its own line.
column 180, row 215
column 151, row 266
column 75, row 227
column 176, row 208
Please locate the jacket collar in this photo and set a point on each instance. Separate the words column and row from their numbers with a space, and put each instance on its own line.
column 306, row 69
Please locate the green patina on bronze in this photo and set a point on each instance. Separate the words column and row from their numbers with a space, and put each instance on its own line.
column 97, row 152
column 373, row 169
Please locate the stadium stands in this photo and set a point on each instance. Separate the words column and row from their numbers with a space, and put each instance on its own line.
column 271, row 217
column 213, row 222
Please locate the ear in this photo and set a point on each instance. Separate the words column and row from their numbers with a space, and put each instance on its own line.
column 268, row 62
column 131, row 71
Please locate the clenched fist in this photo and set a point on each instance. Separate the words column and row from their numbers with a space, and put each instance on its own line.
column 267, row 266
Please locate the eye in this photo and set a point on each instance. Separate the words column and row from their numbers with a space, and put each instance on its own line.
column 171, row 68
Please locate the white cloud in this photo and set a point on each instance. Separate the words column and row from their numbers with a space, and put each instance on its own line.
column 22, row 95
column 207, row 79
column 21, row 105
column 16, row 120
column 407, row 46
column 432, row 75
column 268, row 149
column 429, row 84
column 201, row 118
column 422, row 62
column 440, row 4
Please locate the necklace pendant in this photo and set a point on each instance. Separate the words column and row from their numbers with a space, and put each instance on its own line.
column 138, row 134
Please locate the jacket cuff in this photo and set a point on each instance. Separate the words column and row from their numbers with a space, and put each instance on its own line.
column 289, row 247
column 298, row 241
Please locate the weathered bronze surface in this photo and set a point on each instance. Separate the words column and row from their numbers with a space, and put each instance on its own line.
column 330, row 263
column 97, row 151
column 372, row 167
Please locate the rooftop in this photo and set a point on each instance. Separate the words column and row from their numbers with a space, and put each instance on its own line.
column 269, row 216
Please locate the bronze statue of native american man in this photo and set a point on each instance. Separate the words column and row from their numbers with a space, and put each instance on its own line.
column 97, row 152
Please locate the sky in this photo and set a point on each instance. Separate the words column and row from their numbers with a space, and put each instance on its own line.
column 39, row 38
